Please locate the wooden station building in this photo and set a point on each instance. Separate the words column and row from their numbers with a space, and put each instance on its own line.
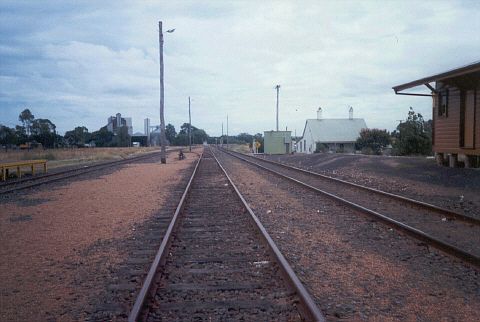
column 456, row 113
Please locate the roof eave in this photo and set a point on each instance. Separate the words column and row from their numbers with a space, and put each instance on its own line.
column 475, row 67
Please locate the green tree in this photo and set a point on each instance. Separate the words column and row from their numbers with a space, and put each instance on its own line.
column 7, row 136
column 103, row 137
column 123, row 138
column 198, row 135
column 245, row 137
column 21, row 134
column 26, row 117
column 170, row 133
column 43, row 131
column 78, row 136
column 414, row 136
column 373, row 140
column 60, row 140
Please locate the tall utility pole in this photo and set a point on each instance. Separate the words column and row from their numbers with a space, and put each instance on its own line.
column 163, row 157
column 277, row 88
column 189, row 126
column 221, row 141
column 227, row 131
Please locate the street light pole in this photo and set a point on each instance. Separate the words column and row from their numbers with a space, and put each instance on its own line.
column 163, row 157
column 277, row 88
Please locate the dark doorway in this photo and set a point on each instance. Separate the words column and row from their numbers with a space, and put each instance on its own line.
column 467, row 120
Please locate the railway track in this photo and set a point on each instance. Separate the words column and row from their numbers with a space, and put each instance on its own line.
column 420, row 204
column 450, row 232
column 217, row 262
column 33, row 181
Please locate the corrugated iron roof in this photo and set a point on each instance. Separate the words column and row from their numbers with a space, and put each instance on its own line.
column 471, row 68
column 334, row 130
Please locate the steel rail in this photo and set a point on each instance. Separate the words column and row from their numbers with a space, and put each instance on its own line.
column 94, row 165
column 446, row 212
column 44, row 179
column 162, row 252
column 311, row 310
column 414, row 232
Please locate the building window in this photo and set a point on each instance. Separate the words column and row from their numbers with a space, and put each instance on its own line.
column 442, row 103
column 305, row 145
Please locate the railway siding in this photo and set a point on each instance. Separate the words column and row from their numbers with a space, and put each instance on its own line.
column 71, row 172
column 357, row 268
column 463, row 236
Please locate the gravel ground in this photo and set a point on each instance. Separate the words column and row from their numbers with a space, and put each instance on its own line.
column 218, row 269
column 415, row 177
column 356, row 268
column 62, row 242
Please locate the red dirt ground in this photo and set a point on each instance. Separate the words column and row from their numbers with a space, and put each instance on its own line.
column 43, row 233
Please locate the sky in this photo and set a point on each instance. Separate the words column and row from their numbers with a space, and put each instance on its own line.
column 79, row 62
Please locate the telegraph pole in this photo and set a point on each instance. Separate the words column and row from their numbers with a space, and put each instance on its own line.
column 277, row 88
column 227, row 131
column 189, row 126
column 163, row 158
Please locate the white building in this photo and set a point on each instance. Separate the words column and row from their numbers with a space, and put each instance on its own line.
column 335, row 135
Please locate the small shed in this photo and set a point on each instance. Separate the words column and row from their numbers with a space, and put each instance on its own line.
column 277, row 142
column 455, row 112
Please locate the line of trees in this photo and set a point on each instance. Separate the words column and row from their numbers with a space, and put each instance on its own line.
column 199, row 136
column 35, row 132
column 411, row 137
column 39, row 131
column 181, row 138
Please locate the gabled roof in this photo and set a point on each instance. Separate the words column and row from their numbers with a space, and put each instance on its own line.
column 471, row 68
column 334, row 130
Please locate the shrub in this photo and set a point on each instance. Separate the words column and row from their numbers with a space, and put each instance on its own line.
column 373, row 141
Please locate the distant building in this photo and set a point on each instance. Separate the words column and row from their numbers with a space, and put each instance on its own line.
column 115, row 122
column 277, row 142
column 139, row 139
column 456, row 113
column 154, row 136
column 330, row 135
column 146, row 129
column 152, row 132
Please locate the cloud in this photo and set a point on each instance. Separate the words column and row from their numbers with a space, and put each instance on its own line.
column 78, row 63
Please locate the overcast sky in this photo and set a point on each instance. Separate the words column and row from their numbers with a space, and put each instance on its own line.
column 76, row 62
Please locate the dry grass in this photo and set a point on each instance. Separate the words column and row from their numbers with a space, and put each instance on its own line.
column 242, row 148
column 65, row 157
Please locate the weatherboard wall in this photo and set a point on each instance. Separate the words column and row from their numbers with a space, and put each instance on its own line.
column 448, row 129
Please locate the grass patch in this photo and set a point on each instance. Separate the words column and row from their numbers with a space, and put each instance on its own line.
column 63, row 157
column 242, row 148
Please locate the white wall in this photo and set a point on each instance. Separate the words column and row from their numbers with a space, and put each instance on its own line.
column 307, row 142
